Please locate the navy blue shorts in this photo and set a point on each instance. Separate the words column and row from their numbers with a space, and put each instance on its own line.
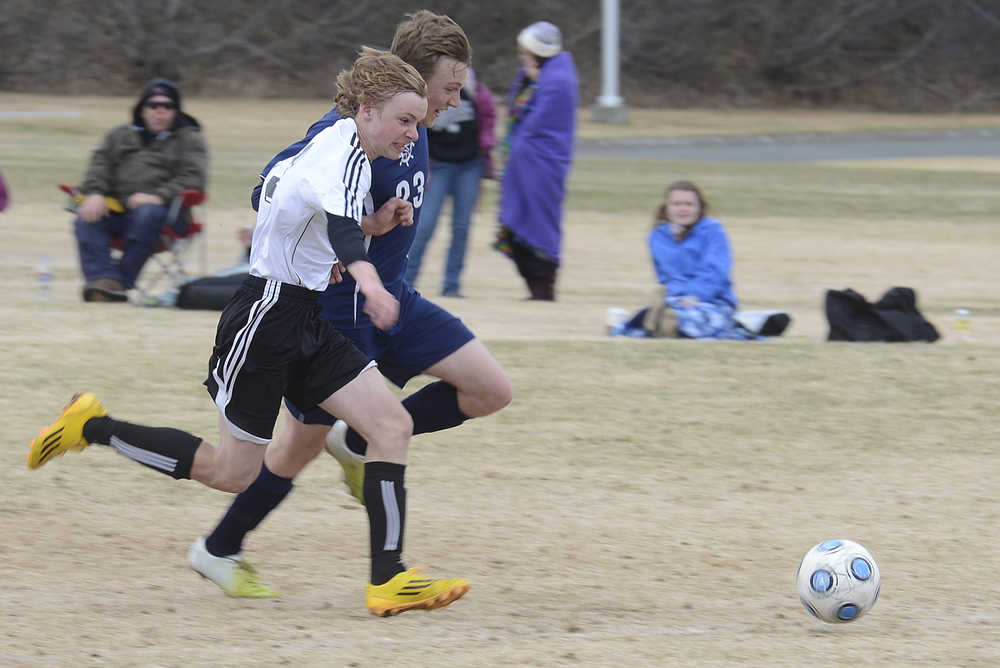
column 424, row 335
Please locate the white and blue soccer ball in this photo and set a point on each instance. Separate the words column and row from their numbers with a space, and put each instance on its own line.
column 838, row 581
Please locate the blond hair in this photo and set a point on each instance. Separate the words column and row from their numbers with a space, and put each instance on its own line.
column 375, row 78
column 425, row 37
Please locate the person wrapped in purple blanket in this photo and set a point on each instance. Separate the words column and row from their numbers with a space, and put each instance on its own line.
column 541, row 122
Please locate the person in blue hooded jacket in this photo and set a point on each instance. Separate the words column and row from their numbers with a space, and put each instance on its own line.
column 693, row 262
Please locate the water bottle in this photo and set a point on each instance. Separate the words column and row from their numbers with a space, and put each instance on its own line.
column 44, row 271
column 963, row 325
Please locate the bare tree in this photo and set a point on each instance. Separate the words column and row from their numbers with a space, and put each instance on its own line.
column 912, row 54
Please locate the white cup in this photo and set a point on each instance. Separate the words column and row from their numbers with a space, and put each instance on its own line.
column 615, row 317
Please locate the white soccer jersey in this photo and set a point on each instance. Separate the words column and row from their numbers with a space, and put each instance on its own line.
column 330, row 174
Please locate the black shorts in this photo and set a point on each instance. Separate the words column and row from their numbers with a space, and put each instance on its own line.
column 270, row 343
column 424, row 335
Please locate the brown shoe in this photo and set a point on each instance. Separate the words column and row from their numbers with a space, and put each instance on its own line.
column 104, row 290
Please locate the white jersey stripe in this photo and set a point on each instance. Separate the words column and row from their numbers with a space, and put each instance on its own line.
column 351, row 177
column 392, row 528
column 156, row 460
column 352, row 174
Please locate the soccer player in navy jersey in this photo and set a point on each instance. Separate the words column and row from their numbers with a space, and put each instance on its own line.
column 426, row 340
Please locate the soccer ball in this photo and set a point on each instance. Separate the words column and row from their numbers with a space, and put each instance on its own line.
column 838, row 581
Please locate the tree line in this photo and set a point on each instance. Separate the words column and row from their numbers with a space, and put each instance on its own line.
column 898, row 55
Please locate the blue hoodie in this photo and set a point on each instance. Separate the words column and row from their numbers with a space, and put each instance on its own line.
column 699, row 265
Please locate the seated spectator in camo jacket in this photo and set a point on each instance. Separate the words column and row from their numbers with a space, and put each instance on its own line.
column 141, row 167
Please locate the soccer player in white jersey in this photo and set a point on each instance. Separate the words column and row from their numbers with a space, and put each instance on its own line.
column 271, row 342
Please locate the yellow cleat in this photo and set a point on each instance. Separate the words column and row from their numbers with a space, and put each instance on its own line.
column 66, row 433
column 411, row 591
column 353, row 464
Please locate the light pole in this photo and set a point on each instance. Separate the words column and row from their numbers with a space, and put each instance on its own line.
column 609, row 107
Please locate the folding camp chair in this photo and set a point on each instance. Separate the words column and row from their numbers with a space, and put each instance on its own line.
column 165, row 269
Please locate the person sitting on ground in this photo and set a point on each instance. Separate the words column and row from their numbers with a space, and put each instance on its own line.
column 693, row 263
column 138, row 169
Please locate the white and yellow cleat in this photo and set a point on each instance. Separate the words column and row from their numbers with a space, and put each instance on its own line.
column 66, row 433
column 233, row 575
column 410, row 590
column 352, row 463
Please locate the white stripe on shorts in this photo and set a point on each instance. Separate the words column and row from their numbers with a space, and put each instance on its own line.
column 228, row 368
column 388, row 489
column 156, row 460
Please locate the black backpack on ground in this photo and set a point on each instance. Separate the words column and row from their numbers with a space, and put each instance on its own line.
column 210, row 292
column 892, row 318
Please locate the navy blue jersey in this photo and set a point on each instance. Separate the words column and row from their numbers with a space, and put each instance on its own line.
column 405, row 178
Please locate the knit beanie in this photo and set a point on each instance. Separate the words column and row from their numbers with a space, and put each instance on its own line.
column 542, row 39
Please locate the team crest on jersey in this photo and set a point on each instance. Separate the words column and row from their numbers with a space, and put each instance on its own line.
column 406, row 155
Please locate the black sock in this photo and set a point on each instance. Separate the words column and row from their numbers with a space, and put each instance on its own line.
column 385, row 499
column 433, row 408
column 247, row 510
column 636, row 321
column 169, row 451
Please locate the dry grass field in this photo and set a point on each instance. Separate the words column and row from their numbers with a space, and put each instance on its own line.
column 641, row 503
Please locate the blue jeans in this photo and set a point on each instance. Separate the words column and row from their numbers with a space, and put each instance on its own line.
column 460, row 180
column 140, row 229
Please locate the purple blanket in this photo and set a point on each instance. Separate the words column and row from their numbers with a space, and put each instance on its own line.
column 540, row 154
column 4, row 197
